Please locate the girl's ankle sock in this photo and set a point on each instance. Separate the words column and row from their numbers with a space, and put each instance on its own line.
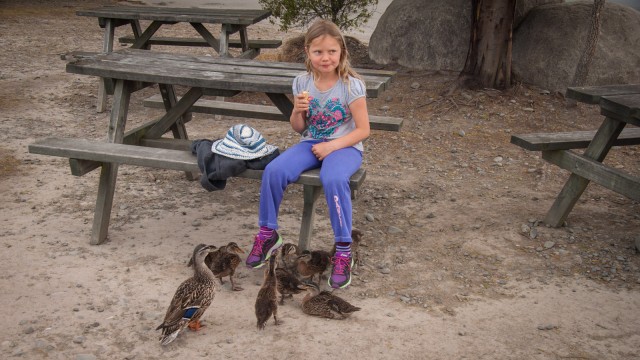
column 265, row 232
column 343, row 247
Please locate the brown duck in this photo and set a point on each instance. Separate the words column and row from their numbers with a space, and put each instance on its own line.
column 314, row 262
column 223, row 262
column 288, row 284
column 325, row 304
column 290, row 253
column 191, row 300
column 267, row 300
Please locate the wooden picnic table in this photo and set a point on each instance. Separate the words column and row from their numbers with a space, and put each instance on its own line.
column 132, row 70
column 620, row 105
column 231, row 21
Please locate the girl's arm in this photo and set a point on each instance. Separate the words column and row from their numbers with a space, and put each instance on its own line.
column 299, row 114
column 360, row 115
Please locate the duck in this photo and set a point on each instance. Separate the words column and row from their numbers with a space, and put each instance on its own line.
column 191, row 299
column 310, row 263
column 325, row 304
column 290, row 253
column 223, row 262
column 288, row 284
column 267, row 299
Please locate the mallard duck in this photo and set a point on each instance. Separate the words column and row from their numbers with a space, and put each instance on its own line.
column 290, row 253
column 313, row 262
column 267, row 300
column 325, row 304
column 288, row 284
column 191, row 300
column 223, row 262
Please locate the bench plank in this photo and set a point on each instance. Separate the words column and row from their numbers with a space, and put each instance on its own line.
column 570, row 140
column 252, row 111
column 175, row 41
column 163, row 153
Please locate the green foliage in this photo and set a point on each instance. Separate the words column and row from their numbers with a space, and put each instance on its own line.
column 347, row 14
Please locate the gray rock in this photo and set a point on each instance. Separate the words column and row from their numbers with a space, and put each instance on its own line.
column 547, row 327
column 423, row 34
column 546, row 50
column 394, row 230
column 85, row 357
column 369, row 217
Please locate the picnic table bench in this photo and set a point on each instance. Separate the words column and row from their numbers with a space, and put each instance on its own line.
column 231, row 21
column 132, row 70
column 620, row 105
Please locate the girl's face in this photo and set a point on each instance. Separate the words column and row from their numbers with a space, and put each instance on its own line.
column 324, row 53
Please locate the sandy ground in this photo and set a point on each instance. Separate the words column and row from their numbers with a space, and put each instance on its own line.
column 456, row 262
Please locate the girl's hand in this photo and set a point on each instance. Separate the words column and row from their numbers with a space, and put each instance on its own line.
column 322, row 150
column 301, row 103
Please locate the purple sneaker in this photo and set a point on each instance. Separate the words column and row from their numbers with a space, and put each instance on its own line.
column 262, row 250
column 341, row 272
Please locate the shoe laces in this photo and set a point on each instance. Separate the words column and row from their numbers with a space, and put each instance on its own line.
column 340, row 264
column 257, row 246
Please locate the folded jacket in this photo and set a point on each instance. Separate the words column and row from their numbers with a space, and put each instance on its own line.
column 216, row 168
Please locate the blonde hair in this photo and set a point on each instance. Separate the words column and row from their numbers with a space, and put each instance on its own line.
column 321, row 28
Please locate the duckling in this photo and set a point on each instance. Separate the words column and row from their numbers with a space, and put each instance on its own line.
column 325, row 304
column 288, row 284
column 223, row 262
column 314, row 262
column 356, row 239
column 290, row 253
column 267, row 300
column 191, row 300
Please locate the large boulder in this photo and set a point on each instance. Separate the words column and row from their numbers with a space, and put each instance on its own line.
column 550, row 40
column 423, row 34
column 429, row 34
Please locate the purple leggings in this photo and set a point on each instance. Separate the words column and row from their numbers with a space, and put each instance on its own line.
column 335, row 171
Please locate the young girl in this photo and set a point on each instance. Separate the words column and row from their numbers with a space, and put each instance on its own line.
column 330, row 112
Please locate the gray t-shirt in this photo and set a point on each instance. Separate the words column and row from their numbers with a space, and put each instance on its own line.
column 329, row 114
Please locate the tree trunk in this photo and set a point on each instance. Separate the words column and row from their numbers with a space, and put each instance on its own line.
column 488, row 61
column 582, row 69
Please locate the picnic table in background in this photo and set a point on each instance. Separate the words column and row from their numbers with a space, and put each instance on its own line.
column 231, row 21
column 134, row 69
column 620, row 105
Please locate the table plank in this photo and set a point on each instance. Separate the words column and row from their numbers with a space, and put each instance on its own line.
column 627, row 106
column 197, row 15
column 592, row 94
column 206, row 72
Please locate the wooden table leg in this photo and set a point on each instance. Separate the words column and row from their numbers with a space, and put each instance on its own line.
column 179, row 130
column 575, row 186
column 311, row 194
column 109, row 171
column 107, row 47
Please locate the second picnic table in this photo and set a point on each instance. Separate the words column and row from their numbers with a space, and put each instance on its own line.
column 620, row 106
column 231, row 21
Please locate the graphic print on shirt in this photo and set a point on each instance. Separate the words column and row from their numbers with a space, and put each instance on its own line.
column 324, row 120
